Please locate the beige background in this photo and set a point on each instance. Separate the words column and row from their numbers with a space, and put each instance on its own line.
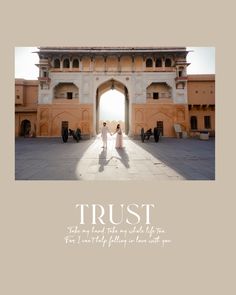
column 199, row 216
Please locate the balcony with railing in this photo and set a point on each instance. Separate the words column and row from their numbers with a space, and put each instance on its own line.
column 181, row 79
column 160, row 69
column 65, row 97
column 44, row 79
column 163, row 97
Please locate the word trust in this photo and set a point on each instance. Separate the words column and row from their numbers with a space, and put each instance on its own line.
column 115, row 214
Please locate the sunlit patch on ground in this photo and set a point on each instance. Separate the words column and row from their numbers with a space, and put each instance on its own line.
column 169, row 159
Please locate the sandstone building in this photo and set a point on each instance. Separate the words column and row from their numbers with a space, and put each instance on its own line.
column 154, row 81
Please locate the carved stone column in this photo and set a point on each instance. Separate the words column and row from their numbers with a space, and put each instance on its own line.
column 91, row 64
column 119, row 65
column 132, row 63
column 61, row 63
column 144, row 63
column 105, row 63
column 70, row 65
column 80, row 64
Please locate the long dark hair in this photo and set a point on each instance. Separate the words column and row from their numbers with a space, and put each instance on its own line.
column 118, row 126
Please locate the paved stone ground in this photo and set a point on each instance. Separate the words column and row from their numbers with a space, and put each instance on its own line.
column 169, row 159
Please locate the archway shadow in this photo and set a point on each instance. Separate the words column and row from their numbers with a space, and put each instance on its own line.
column 123, row 157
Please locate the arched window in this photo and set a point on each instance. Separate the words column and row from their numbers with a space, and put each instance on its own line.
column 158, row 63
column 181, row 71
column 168, row 62
column 75, row 63
column 149, row 63
column 207, row 122
column 57, row 63
column 66, row 63
column 193, row 122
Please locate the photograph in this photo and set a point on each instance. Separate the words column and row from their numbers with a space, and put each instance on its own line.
column 116, row 165
column 114, row 113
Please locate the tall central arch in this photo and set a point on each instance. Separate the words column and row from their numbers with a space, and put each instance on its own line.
column 106, row 86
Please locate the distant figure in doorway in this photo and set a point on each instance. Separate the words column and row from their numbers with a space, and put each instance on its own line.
column 104, row 132
column 119, row 137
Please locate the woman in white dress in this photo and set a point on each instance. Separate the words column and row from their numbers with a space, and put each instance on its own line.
column 119, row 137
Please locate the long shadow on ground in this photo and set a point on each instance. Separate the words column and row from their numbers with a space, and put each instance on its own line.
column 194, row 159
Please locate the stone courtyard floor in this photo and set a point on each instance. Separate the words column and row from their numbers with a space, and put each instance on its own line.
column 169, row 159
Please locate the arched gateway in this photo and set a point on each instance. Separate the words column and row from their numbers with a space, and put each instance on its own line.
column 106, row 86
column 72, row 80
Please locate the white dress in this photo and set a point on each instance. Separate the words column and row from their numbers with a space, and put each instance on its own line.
column 119, row 138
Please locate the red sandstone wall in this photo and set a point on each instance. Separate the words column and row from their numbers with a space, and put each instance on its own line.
column 201, row 89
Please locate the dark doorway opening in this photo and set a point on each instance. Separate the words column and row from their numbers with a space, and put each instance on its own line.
column 25, row 128
column 69, row 95
column 160, row 127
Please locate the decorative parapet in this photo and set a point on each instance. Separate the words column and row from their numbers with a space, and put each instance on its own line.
column 44, row 82
column 181, row 79
column 44, row 79
column 181, row 82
